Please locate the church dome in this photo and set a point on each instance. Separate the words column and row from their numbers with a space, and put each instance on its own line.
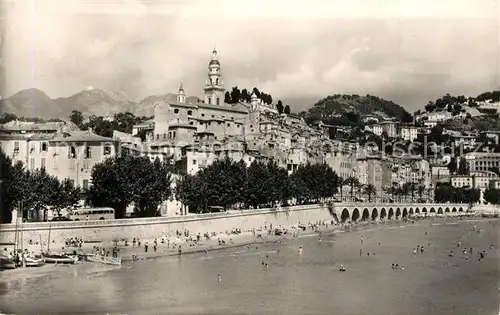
column 214, row 62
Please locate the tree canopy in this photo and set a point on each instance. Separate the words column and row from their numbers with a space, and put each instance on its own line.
column 124, row 179
column 227, row 184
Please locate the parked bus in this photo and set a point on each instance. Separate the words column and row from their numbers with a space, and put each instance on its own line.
column 85, row 214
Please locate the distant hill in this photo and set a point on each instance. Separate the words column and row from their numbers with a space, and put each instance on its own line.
column 35, row 103
column 31, row 103
column 347, row 109
column 94, row 102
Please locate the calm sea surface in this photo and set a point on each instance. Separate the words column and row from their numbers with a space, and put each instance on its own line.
column 431, row 283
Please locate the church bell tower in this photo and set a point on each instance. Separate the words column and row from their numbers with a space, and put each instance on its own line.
column 214, row 86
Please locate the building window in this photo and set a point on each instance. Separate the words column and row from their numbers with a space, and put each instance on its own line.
column 32, row 163
column 194, row 162
column 229, row 125
column 88, row 152
column 164, row 136
column 16, row 146
column 72, row 153
column 44, row 146
column 202, row 115
column 173, row 134
column 191, row 123
column 218, row 101
column 42, row 163
column 190, row 112
column 213, row 116
column 107, row 150
column 209, row 100
column 223, row 116
column 176, row 111
column 85, row 184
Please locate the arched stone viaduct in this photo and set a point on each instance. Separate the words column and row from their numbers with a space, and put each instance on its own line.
column 345, row 212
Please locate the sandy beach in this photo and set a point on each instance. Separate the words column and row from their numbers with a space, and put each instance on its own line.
column 168, row 245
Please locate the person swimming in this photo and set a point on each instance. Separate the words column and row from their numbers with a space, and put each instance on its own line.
column 219, row 278
column 342, row 268
column 300, row 250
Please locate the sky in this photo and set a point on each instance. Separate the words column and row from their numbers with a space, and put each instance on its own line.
column 406, row 51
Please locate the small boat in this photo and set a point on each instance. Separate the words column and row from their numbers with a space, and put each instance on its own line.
column 34, row 261
column 7, row 263
column 59, row 259
column 278, row 232
column 342, row 268
column 116, row 261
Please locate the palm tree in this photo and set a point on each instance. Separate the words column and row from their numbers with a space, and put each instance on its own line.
column 352, row 182
column 421, row 190
column 340, row 183
column 370, row 190
column 406, row 190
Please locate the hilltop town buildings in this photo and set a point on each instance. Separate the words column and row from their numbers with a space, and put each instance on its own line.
column 194, row 135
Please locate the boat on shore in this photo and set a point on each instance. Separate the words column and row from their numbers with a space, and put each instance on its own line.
column 59, row 259
column 34, row 261
column 116, row 261
column 7, row 263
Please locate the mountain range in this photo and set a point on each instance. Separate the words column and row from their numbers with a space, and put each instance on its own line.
column 35, row 103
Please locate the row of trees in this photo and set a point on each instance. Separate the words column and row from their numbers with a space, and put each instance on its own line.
column 232, row 184
column 245, row 95
column 33, row 192
column 8, row 117
column 448, row 193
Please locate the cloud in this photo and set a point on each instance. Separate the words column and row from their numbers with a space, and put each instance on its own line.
column 407, row 51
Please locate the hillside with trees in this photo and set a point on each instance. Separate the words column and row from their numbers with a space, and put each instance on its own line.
column 457, row 104
column 338, row 109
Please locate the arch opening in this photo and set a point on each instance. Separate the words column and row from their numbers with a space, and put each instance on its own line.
column 454, row 209
column 440, row 210
column 460, row 209
column 433, row 210
column 398, row 213
column 447, row 209
column 374, row 214
column 391, row 214
column 345, row 216
column 417, row 210
column 383, row 214
column 366, row 215
column 355, row 215
column 405, row 213
column 424, row 210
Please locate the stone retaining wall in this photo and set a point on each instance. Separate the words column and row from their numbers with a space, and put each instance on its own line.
column 147, row 228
